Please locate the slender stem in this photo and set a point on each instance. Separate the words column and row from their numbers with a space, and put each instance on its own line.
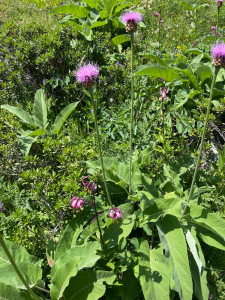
column 132, row 106
column 41, row 289
column 16, row 268
column 202, row 139
column 99, row 228
column 217, row 24
column 99, row 146
column 163, row 119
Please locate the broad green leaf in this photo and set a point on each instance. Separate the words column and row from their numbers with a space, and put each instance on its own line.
column 192, row 245
column 131, row 287
column 146, row 199
column 22, row 114
column 187, row 5
column 152, row 272
column 119, row 39
column 67, row 266
column 204, row 72
column 156, row 58
column 25, row 144
column 157, row 71
column 192, row 77
column 40, row 110
column 37, row 132
column 76, row 10
column 207, row 219
column 88, row 285
column 162, row 207
column 99, row 24
column 72, row 231
column 120, row 228
column 173, row 241
column 120, row 7
column 29, row 266
column 174, row 179
column 194, row 51
column 19, row 255
column 141, row 157
column 200, row 281
column 8, row 292
column 181, row 98
column 63, row 115
column 31, row 272
column 109, row 5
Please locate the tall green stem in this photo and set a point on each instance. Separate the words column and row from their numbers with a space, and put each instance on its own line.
column 99, row 228
column 99, row 145
column 16, row 268
column 217, row 25
column 132, row 106
column 202, row 139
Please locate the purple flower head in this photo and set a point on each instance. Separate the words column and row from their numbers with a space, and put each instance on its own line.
column 87, row 74
column 85, row 30
column 91, row 186
column 213, row 28
column 1, row 206
column 160, row 21
column 195, row 43
column 44, row 81
column 115, row 213
column 210, row 296
column 132, row 16
column 117, row 64
column 76, row 203
column 163, row 92
column 146, row 47
column 219, row 0
column 155, row 14
column 218, row 50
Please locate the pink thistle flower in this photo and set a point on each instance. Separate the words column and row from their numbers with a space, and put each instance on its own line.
column 163, row 92
column 213, row 28
column 218, row 54
column 76, row 203
column 131, row 19
column 115, row 213
column 87, row 74
column 91, row 186
column 155, row 14
column 132, row 16
column 218, row 50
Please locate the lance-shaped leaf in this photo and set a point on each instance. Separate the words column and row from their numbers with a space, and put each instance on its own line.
column 88, row 285
column 119, row 39
column 168, row 74
column 200, row 281
column 120, row 228
column 152, row 272
column 63, row 115
column 76, row 10
column 69, row 264
column 20, row 113
column 173, row 241
column 192, row 245
column 40, row 110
